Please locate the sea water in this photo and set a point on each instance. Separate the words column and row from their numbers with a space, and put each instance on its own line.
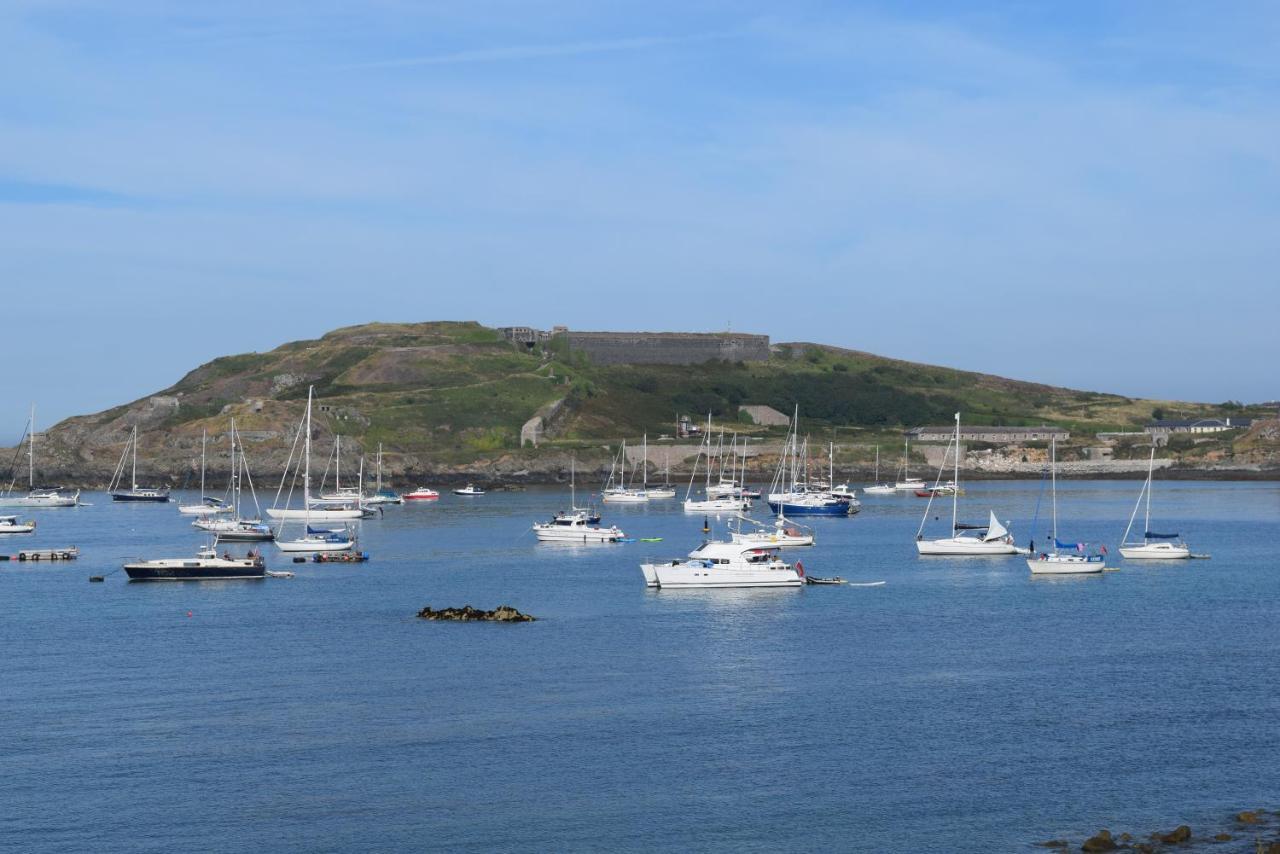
column 963, row 705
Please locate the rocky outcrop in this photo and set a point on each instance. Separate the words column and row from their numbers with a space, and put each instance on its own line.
column 468, row 614
column 1177, row 836
column 1100, row 841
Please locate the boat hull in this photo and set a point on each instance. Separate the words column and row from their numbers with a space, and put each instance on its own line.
column 771, row 540
column 570, row 535
column 879, row 490
column 720, row 505
column 143, row 497
column 41, row 501
column 1156, row 551
column 314, row 546
column 1065, row 565
column 836, row 508
column 17, row 529
column 222, row 570
column 688, row 576
column 315, row 515
column 962, row 546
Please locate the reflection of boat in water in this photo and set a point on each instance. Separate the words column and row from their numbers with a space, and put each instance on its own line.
column 205, row 566
column 724, row 565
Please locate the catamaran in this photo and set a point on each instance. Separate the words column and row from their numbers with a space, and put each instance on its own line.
column 1152, row 546
column 717, row 564
column 44, row 496
column 1065, row 558
column 308, row 512
column 992, row 538
column 134, row 492
column 208, row 505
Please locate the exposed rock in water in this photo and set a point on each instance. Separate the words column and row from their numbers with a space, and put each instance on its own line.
column 1054, row 843
column 1247, row 817
column 1101, row 841
column 468, row 614
column 1222, row 837
column 1177, row 836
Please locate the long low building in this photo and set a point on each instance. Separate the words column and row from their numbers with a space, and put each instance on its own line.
column 995, row 435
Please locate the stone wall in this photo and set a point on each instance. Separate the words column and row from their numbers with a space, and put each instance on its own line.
column 668, row 348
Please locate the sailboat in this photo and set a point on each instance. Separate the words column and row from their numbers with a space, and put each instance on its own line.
column 341, row 496
column 380, row 495
column 314, row 539
column 45, row 496
column 908, row 482
column 666, row 490
column 575, row 525
column 710, row 504
column 208, row 505
column 237, row 529
column 620, row 492
column 1074, row 560
column 134, row 492
column 989, row 539
column 878, row 488
column 1152, row 546
column 792, row 495
column 308, row 511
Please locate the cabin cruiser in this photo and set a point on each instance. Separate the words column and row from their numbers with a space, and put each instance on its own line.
column 205, row 566
column 421, row 494
column 720, row 564
column 575, row 527
column 469, row 489
column 782, row 534
column 11, row 525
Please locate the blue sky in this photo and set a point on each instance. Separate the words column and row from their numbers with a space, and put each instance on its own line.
column 1084, row 193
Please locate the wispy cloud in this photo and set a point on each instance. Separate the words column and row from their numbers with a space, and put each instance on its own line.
column 517, row 53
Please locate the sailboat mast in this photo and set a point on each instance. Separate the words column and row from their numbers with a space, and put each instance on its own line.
column 1053, row 479
column 134, row 442
column 877, row 475
column 337, row 464
column 573, row 491
column 235, row 476
column 31, row 449
column 955, row 480
column 306, row 452
column 379, row 466
column 1151, row 469
column 204, row 437
column 645, row 477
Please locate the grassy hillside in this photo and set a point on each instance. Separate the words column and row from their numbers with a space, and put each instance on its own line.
column 449, row 393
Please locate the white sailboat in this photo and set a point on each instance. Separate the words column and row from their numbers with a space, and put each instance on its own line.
column 666, row 490
column 710, row 504
column 36, row 497
column 575, row 525
column 308, row 512
column 208, row 505
column 1152, row 546
column 620, row 492
column 907, row 482
column 989, row 539
column 238, row 528
column 380, row 495
column 1074, row 560
column 313, row 539
column 878, row 488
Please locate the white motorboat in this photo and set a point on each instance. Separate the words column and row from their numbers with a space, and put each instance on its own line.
column 44, row 496
column 205, row 566
column 11, row 525
column 781, row 534
column 724, row 565
column 1153, row 546
column 422, row 493
column 1065, row 558
column 575, row 527
column 469, row 489
column 992, row 538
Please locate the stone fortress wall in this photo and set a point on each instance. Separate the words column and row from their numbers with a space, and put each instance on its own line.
column 668, row 348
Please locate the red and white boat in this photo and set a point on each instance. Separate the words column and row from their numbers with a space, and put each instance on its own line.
column 421, row 494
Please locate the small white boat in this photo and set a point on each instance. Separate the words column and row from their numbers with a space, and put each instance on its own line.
column 318, row 540
column 878, row 488
column 421, row 494
column 724, row 565
column 992, row 538
column 1065, row 558
column 717, row 505
column 11, row 525
column 660, row 492
column 624, row 496
column 469, row 489
column 575, row 527
column 1153, row 546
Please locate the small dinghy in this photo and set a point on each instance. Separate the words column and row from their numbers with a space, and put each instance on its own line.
column 340, row 557
column 813, row 579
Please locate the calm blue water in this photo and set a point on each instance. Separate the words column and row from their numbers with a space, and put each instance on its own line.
column 963, row 705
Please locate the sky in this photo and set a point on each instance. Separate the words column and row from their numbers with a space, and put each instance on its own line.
column 1084, row 194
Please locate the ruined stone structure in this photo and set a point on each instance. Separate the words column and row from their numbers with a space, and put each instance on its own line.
column 668, row 348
